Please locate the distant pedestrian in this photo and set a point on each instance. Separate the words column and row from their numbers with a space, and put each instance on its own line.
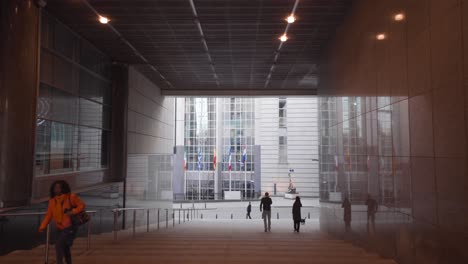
column 249, row 209
column 346, row 205
column 296, row 212
column 265, row 208
column 372, row 207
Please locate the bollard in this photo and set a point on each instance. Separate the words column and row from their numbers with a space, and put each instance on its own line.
column 183, row 212
column 205, row 205
column 231, row 216
column 147, row 220
column 309, row 215
column 88, row 242
column 134, row 222
column 173, row 219
column 181, row 205
column 277, row 215
column 115, row 224
column 158, row 218
column 216, row 216
column 201, row 216
column 167, row 218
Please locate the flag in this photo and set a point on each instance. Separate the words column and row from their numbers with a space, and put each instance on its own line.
column 199, row 159
column 185, row 161
column 244, row 155
column 230, row 159
column 336, row 163
column 214, row 159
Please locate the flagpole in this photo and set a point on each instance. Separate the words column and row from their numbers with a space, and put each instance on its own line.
column 199, row 185
column 230, row 179
column 245, row 177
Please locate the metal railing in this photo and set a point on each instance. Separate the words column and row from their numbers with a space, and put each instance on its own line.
column 188, row 214
column 47, row 233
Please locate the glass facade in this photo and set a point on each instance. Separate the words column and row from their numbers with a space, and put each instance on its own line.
column 200, row 143
column 224, row 125
column 238, row 141
column 74, row 103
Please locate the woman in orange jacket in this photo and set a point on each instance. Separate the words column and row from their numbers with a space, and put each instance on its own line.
column 62, row 205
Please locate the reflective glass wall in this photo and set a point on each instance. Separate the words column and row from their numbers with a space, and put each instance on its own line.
column 73, row 107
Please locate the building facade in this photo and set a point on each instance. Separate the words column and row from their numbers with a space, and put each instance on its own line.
column 261, row 145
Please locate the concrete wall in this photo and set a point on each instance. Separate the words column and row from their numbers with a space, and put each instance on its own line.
column 302, row 144
column 419, row 70
column 150, row 140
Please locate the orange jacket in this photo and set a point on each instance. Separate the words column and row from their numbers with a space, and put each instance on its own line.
column 56, row 208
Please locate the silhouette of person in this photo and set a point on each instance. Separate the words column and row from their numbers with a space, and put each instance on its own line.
column 249, row 209
column 372, row 207
column 296, row 212
column 346, row 205
column 265, row 208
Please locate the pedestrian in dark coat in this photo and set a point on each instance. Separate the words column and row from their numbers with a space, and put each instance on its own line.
column 346, row 205
column 296, row 211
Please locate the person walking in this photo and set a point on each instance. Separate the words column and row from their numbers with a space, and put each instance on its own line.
column 249, row 209
column 346, row 205
column 296, row 212
column 372, row 207
column 265, row 208
column 62, row 205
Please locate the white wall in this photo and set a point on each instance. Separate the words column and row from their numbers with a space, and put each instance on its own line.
column 303, row 142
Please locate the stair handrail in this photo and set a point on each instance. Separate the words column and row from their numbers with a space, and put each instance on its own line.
column 46, row 249
column 192, row 212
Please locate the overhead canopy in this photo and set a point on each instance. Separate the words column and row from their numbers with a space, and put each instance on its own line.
column 212, row 47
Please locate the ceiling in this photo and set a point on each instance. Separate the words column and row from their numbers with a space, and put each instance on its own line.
column 241, row 54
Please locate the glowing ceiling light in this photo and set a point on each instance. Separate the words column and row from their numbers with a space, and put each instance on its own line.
column 103, row 20
column 381, row 36
column 283, row 38
column 399, row 17
column 291, row 19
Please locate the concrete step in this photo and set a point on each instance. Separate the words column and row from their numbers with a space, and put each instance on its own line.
column 209, row 243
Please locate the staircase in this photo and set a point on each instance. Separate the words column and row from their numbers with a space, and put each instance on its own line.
column 213, row 241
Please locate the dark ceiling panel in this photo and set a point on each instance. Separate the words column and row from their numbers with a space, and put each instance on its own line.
column 241, row 35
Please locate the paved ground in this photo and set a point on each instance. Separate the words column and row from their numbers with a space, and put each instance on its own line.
column 237, row 210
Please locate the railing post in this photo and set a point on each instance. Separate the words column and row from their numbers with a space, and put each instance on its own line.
column 88, row 242
column 147, row 220
column 115, row 223
column 179, row 217
column 167, row 217
column 134, row 222
column 158, row 218
column 183, row 212
column 173, row 218
column 46, row 257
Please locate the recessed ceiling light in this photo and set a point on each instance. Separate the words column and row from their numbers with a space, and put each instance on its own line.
column 103, row 20
column 291, row 19
column 399, row 17
column 381, row 36
column 283, row 38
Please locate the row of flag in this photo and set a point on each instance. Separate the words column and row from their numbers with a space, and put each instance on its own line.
column 200, row 159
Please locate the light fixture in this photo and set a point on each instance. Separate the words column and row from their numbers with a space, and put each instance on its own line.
column 381, row 36
column 283, row 38
column 399, row 17
column 103, row 20
column 291, row 19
